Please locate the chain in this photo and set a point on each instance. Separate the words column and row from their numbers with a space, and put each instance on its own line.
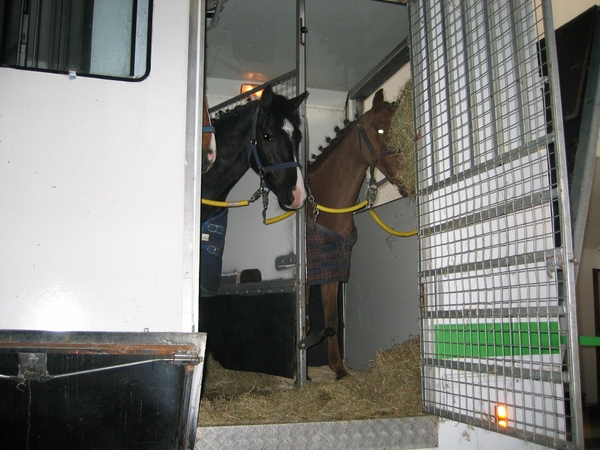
column 265, row 200
column 315, row 210
column 256, row 195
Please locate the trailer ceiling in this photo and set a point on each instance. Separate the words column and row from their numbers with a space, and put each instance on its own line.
column 256, row 40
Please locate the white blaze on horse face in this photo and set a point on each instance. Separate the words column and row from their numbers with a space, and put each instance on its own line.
column 299, row 191
column 288, row 128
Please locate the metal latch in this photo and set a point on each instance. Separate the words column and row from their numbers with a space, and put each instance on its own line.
column 180, row 359
column 283, row 262
column 315, row 338
column 33, row 366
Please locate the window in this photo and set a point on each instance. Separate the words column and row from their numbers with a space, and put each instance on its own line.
column 101, row 38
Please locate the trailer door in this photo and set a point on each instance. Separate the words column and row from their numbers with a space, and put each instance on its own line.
column 495, row 271
column 94, row 167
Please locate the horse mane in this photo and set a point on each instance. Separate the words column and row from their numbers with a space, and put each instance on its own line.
column 332, row 142
column 229, row 113
column 339, row 134
column 279, row 105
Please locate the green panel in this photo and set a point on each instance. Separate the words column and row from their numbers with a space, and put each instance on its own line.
column 593, row 341
column 492, row 340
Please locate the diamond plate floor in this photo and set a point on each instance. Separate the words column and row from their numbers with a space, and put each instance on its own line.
column 404, row 433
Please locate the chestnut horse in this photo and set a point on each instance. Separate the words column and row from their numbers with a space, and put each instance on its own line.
column 335, row 179
column 209, row 142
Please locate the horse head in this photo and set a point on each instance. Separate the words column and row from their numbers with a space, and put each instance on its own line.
column 375, row 125
column 276, row 139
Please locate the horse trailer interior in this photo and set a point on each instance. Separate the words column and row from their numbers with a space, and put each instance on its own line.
column 103, row 331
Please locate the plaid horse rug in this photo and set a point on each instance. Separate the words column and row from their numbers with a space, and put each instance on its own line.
column 328, row 254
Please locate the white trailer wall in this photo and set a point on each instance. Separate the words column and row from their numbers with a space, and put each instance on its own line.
column 91, row 194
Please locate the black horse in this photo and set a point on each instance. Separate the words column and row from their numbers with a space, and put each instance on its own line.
column 263, row 135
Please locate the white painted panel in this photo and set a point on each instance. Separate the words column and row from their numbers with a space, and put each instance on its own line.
column 91, row 194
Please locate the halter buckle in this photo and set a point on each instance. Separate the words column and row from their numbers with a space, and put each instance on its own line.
column 256, row 195
column 265, row 200
column 371, row 194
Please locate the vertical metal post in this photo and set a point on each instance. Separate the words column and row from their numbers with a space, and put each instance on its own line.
column 301, row 303
column 193, row 166
column 566, row 236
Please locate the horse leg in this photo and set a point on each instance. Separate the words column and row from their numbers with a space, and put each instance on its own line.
column 329, row 297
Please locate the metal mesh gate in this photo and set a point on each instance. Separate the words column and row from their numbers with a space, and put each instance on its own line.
column 286, row 85
column 497, row 296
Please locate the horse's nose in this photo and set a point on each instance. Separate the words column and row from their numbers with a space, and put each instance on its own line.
column 291, row 197
column 297, row 197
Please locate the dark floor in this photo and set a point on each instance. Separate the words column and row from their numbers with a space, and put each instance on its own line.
column 591, row 427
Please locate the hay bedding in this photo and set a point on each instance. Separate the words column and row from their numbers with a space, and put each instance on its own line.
column 390, row 387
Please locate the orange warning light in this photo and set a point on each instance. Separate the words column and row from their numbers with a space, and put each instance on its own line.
column 502, row 415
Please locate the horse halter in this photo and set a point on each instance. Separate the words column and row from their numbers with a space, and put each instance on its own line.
column 209, row 129
column 373, row 185
column 262, row 169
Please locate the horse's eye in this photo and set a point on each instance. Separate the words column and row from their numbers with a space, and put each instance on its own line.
column 267, row 137
column 380, row 131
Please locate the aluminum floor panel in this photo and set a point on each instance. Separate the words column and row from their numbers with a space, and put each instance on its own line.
column 404, row 433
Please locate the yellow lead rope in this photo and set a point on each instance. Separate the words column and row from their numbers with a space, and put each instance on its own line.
column 391, row 230
column 279, row 218
column 361, row 205
column 225, row 204
column 373, row 214
column 364, row 203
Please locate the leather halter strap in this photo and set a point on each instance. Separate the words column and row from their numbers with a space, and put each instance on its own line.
column 374, row 155
column 262, row 169
column 373, row 185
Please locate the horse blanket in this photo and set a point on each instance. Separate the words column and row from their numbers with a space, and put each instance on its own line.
column 328, row 254
column 211, row 253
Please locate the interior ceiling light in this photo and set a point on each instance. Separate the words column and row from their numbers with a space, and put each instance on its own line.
column 247, row 87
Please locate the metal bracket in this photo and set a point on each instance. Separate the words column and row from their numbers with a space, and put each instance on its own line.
column 315, row 338
column 181, row 359
column 33, row 366
column 553, row 263
column 283, row 262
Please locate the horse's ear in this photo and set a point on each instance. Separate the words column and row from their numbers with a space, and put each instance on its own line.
column 378, row 99
column 266, row 98
column 297, row 101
